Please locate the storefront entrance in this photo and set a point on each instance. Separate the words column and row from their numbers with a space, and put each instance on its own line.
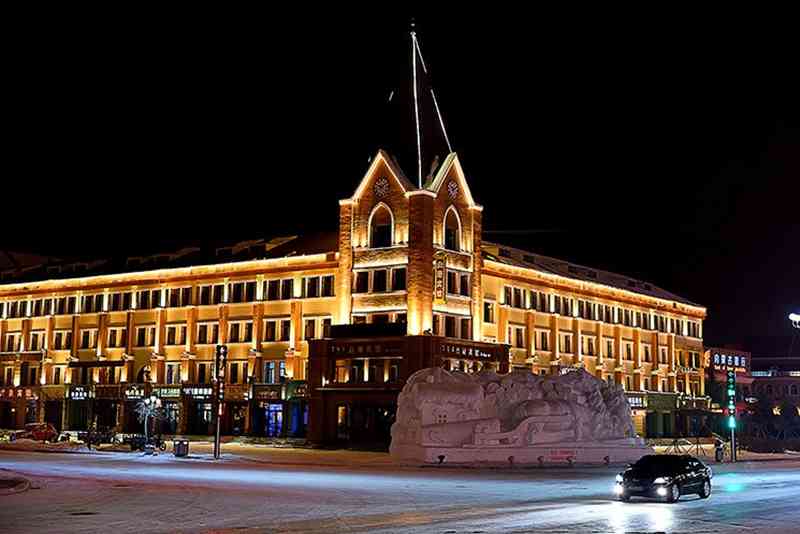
column 274, row 420
column 53, row 413
column 201, row 420
column 365, row 425
column 7, row 415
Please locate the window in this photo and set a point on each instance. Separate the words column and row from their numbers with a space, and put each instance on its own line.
column 270, row 331
column 272, row 289
column 609, row 348
column 452, row 283
column 399, row 279
column 327, row 285
column 234, row 373
column 647, row 353
column 449, row 326
column 362, row 282
column 628, row 351
column 143, row 300
column 380, row 318
column 326, row 326
column 287, row 289
column 269, row 372
column 286, row 328
column 464, row 286
column 466, row 331
column 488, row 312
column 312, row 287
column 543, row 341
column 173, row 373
column 507, row 296
column 380, row 227
column 590, row 347
column 379, row 280
column 566, row 344
column 452, row 230
column 310, row 329
column 57, row 375
column 519, row 301
column 85, row 339
column 519, row 338
column 203, row 375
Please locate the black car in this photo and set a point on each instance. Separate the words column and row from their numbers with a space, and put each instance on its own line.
column 664, row 476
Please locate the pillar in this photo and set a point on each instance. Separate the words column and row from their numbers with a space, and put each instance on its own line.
column 344, row 278
column 419, row 274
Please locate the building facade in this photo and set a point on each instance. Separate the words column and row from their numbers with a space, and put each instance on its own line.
column 776, row 383
column 80, row 348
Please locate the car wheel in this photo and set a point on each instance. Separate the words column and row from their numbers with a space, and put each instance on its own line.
column 674, row 493
column 705, row 490
column 624, row 497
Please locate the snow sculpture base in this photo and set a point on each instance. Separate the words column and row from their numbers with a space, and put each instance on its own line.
column 515, row 419
column 611, row 452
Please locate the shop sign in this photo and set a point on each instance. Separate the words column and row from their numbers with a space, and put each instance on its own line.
column 723, row 362
column 297, row 389
column 465, row 351
column 267, row 393
column 636, row 400
column 198, row 392
column 439, row 280
column 134, row 391
column 80, row 392
column 166, row 392
column 366, row 349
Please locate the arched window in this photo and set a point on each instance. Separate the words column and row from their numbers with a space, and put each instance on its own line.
column 452, row 229
column 381, row 226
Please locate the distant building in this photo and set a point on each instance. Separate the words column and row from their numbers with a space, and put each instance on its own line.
column 776, row 382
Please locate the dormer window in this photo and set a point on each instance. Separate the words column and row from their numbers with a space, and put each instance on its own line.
column 380, row 227
column 452, row 230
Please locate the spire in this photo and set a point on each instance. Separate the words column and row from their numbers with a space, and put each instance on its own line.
column 412, row 124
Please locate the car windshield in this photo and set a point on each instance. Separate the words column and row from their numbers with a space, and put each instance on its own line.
column 664, row 464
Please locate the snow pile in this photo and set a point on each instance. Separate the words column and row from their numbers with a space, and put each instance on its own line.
column 25, row 444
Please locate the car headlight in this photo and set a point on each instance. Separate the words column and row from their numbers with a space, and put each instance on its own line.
column 662, row 480
column 619, row 478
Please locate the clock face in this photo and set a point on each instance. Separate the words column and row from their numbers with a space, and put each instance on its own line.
column 452, row 189
column 381, row 187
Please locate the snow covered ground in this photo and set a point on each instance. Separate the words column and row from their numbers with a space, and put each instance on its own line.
column 283, row 490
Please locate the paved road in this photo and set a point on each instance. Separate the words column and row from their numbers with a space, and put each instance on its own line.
column 123, row 492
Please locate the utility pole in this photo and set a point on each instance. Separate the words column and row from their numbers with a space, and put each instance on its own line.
column 219, row 392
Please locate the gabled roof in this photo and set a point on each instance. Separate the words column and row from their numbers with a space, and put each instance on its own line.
column 546, row 264
column 394, row 170
column 435, row 182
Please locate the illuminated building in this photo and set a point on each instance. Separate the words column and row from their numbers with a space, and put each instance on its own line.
column 79, row 347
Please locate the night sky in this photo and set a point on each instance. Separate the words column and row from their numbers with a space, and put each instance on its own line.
column 669, row 152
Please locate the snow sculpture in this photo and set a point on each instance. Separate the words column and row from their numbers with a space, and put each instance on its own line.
column 516, row 418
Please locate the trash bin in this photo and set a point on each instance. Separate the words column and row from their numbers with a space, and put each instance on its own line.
column 180, row 447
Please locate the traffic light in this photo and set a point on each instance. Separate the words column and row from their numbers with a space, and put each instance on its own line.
column 731, row 398
column 731, row 384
